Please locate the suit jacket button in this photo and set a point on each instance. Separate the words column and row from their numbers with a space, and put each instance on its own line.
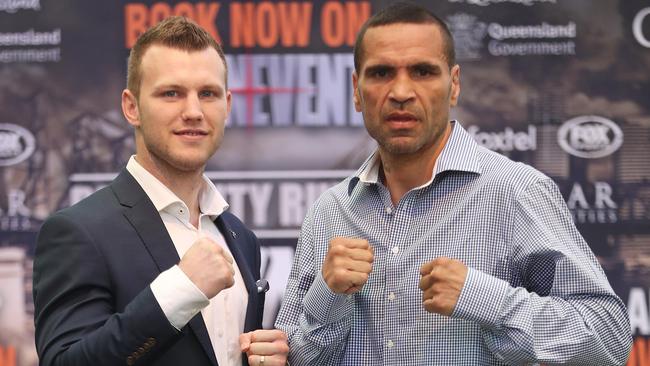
column 130, row 360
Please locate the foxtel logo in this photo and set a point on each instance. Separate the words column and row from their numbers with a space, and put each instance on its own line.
column 506, row 140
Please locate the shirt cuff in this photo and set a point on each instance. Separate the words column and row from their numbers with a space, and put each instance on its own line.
column 178, row 296
column 324, row 305
column 481, row 299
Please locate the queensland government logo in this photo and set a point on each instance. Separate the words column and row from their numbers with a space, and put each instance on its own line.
column 510, row 40
column 16, row 144
column 590, row 137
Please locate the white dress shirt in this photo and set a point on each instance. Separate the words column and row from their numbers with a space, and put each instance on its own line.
column 178, row 296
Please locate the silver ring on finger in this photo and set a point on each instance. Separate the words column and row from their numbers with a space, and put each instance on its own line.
column 262, row 360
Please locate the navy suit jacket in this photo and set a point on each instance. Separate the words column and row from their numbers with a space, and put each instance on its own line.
column 93, row 265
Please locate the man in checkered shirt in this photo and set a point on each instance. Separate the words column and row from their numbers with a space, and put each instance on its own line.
column 439, row 251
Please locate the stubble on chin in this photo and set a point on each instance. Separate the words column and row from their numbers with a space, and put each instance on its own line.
column 192, row 161
column 189, row 165
column 402, row 149
column 394, row 146
column 174, row 159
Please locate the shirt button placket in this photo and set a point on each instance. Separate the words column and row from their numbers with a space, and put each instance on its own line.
column 393, row 280
column 390, row 353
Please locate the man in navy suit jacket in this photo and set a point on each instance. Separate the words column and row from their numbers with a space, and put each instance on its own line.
column 152, row 269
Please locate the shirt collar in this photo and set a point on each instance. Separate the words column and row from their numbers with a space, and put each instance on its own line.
column 460, row 153
column 211, row 202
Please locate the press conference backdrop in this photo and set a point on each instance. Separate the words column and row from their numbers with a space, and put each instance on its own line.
column 563, row 85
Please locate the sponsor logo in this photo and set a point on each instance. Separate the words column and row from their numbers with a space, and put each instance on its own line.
column 507, row 140
column 592, row 204
column 590, row 137
column 16, row 144
column 468, row 33
column 490, row 2
column 637, row 27
column 547, row 34
column 12, row 6
column 510, row 40
column 30, row 38
column 17, row 216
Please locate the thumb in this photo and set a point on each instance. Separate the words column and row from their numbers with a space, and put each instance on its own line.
column 245, row 341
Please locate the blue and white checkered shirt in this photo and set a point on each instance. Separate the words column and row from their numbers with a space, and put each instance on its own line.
column 534, row 293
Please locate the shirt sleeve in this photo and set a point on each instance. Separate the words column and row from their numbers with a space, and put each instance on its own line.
column 557, row 307
column 316, row 320
column 178, row 296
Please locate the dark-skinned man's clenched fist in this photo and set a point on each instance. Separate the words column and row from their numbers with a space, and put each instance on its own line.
column 347, row 265
column 441, row 283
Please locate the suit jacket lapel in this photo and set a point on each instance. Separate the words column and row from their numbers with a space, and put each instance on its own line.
column 252, row 312
column 144, row 217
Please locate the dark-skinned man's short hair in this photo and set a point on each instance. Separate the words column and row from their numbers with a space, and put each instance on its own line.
column 404, row 12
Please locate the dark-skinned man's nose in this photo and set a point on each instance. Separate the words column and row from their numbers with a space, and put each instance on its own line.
column 401, row 92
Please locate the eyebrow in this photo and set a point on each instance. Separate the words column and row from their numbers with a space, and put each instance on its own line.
column 426, row 66
column 181, row 87
column 168, row 86
column 419, row 65
column 379, row 67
